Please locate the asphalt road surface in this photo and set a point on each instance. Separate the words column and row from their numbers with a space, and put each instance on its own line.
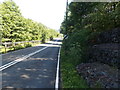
column 37, row 71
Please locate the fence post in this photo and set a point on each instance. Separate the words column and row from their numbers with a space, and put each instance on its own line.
column 13, row 44
column 23, row 43
column 5, row 47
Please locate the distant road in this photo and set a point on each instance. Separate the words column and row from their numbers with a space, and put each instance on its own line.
column 33, row 67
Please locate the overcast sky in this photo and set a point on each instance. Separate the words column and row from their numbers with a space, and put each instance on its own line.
column 48, row 12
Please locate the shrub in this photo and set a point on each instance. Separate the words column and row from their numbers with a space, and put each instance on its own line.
column 17, row 47
column 28, row 45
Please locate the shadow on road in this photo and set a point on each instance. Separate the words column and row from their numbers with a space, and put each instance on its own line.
column 38, row 71
column 10, row 56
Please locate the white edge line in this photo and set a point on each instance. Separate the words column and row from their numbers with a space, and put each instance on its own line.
column 20, row 59
column 57, row 74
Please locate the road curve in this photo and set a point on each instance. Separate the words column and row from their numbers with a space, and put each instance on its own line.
column 37, row 71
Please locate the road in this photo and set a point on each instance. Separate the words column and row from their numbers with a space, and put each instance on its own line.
column 37, row 70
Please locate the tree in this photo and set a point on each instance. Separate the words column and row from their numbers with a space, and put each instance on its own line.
column 17, row 28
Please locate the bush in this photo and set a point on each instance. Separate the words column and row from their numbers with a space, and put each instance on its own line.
column 51, row 38
column 77, row 47
column 18, row 47
column 70, row 77
column 28, row 45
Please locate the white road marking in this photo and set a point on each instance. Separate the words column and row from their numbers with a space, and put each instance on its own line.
column 57, row 73
column 27, row 56
column 20, row 59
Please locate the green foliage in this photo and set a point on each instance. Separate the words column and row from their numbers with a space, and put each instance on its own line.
column 104, row 17
column 28, row 45
column 17, row 28
column 70, row 77
column 84, row 22
column 18, row 47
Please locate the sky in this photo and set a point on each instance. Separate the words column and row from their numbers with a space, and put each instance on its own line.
column 48, row 12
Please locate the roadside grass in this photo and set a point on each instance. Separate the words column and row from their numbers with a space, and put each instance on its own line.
column 17, row 47
column 2, row 50
column 70, row 77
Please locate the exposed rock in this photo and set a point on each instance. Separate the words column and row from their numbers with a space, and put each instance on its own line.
column 99, row 74
column 112, row 36
column 105, row 53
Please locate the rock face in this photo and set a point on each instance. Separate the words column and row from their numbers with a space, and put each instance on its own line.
column 108, row 48
column 112, row 36
column 105, row 53
column 102, row 58
column 97, row 74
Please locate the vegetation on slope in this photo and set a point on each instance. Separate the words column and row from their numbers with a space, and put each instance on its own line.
column 84, row 22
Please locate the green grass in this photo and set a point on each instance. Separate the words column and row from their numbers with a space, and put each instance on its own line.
column 17, row 47
column 2, row 50
column 70, row 77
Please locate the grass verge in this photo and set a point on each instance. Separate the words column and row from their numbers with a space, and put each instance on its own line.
column 17, row 47
column 69, row 75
